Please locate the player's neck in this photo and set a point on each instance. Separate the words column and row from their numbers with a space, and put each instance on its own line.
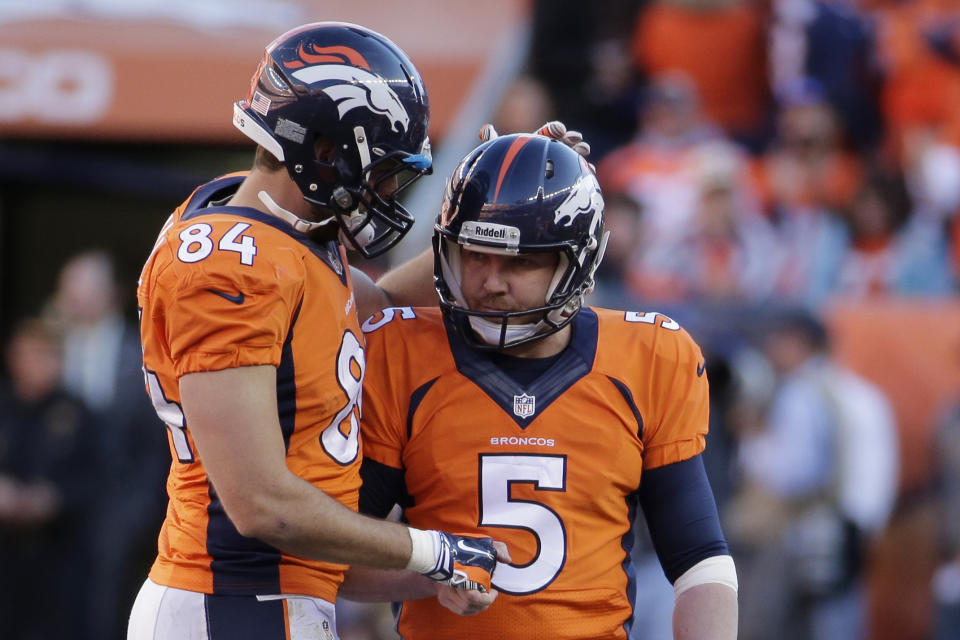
column 543, row 348
column 283, row 192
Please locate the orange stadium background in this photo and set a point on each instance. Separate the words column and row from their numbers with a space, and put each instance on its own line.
column 155, row 83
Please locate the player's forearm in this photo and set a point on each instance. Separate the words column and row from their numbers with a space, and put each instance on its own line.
column 706, row 612
column 233, row 416
column 411, row 283
column 296, row 517
column 363, row 584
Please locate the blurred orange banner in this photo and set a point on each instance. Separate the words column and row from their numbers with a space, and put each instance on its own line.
column 153, row 79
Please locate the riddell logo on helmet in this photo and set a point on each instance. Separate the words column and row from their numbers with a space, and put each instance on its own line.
column 484, row 232
column 489, row 231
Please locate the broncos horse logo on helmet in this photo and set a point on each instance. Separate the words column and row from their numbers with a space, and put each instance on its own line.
column 354, row 89
column 584, row 198
column 359, row 89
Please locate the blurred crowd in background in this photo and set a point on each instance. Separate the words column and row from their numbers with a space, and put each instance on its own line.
column 761, row 161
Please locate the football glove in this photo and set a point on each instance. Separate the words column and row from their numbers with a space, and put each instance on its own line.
column 463, row 562
column 553, row 129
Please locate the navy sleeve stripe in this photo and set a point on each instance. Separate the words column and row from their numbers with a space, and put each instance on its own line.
column 625, row 392
column 681, row 514
column 383, row 486
column 415, row 399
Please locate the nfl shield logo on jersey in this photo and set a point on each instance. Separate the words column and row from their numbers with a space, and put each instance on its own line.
column 524, row 406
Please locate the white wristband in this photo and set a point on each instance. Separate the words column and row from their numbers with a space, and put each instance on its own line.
column 425, row 547
column 718, row 569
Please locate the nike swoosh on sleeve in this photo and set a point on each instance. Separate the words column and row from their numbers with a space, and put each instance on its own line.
column 700, row 367
column 237, row 299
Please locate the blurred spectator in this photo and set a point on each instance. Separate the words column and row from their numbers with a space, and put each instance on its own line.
column 932, row 170
column 580, row 53
column 804, row 179
column 102, row 365
column 721, row 46
column 622, row 218
column 890, row 250
column 807, row 165
column 49, row 473
column 660, row 169
column 946, row 582
column 819, row 477
column 728, row 252
column 832, row 43
column 525, row 106
column 955, row 248
column 918, row 48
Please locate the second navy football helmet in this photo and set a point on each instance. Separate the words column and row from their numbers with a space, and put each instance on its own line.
column 520, row 194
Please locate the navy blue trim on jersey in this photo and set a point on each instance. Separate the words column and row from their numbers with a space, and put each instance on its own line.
column 415, row 399
column 215, row 190
column 575, row 362
column 232, row 573
column 628, row 396
column 287, row 384
column 244, row 618
column 682, row 516
column 198, row 206
column 523, row 370
column 383, row 486
column 239, row 565
column 629, row 569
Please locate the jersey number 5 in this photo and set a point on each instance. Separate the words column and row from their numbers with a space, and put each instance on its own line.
column 498, row 473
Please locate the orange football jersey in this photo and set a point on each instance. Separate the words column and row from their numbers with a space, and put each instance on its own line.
column 230, row 287
column 552, row 468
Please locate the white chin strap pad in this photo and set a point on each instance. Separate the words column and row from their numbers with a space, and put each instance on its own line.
column 298, row 223
column 489, row 332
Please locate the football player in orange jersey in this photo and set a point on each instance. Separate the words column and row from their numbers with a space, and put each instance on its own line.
column 513, row 412
column 253, row 353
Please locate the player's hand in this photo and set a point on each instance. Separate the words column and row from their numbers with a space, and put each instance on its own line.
column 464, row 562
column 464, row 602
column 553, row 129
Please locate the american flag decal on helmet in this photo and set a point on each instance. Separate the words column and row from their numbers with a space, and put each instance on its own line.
column 260, row 103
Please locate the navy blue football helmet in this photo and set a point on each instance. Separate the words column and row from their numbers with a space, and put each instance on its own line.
column 360, row 93
column 520, row 194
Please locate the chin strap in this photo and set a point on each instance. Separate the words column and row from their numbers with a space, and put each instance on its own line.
column 298, row 223
column 489, row 332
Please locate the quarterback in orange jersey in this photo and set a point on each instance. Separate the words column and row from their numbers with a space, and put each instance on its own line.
column 254, row 358
column 512, row 412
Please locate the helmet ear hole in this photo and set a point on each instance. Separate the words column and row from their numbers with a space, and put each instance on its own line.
column 323, row 149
